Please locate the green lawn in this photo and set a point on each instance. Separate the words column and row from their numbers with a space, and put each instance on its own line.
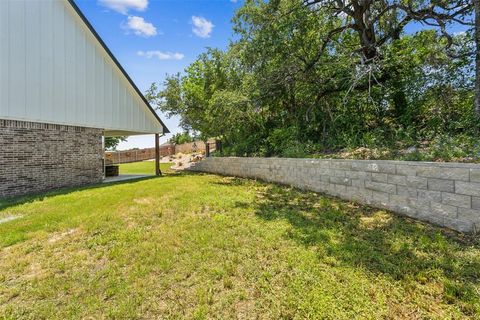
column 144, row 167
column 204, row 246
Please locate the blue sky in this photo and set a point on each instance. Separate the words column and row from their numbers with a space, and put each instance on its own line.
column 152, row 38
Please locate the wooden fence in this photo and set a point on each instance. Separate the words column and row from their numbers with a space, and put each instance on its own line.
column 135, row 155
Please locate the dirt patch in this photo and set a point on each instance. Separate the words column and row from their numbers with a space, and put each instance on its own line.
column 9, row 218
column 245, row 309
column 377, row 220
column 143, row 200
column 166, row 159
column 185, row 161
column 59, row 236
column 182, row 161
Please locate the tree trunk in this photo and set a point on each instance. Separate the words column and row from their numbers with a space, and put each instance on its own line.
column 400, row 104
column 477, row 57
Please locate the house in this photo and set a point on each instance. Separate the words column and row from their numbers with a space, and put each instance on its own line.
column 61, row 92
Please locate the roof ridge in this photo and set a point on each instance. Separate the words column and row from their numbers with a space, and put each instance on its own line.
column 105, row 47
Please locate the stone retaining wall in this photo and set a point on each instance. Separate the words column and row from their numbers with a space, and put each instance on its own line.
column 446, row 194
column 36, row 157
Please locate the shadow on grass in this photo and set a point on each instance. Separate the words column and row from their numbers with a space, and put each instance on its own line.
column 14, row 201
column 350, row 235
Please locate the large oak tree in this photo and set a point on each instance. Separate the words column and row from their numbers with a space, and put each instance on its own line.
column 378, row 22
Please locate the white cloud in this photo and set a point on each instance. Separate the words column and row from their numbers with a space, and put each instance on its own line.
column 140, row 27
column 123, row 6
column 202, row 27
column 160, row 55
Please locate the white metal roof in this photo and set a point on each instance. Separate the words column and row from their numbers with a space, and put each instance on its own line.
column 54, row 68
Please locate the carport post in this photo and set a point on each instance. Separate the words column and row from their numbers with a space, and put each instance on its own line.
column 207, row 149
column 158, row 172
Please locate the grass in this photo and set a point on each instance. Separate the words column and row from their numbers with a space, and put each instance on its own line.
column 203, row 246
column 144, row 167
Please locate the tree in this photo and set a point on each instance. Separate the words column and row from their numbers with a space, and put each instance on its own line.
column 111, row 143
column 377, row 23
column 477, row 56
column 198, row 96
column 180, row 138
column 297, row 81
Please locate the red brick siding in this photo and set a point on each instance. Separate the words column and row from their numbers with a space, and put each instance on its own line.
column 36, row 157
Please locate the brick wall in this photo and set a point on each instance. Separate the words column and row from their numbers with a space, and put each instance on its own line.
column 446, row 194
column 36, row 157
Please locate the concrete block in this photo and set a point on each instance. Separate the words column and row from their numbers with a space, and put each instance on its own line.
column 467, row 188
column 360, row 183
column 424, row 213
column 441, row 185
column 456, row 200
column 444, row 210
column 415, row 202
column 465, row 226
column 324, row 164
column 341, row 180
column 358, row 175
column 399, row 180
column 379, row 177
column 342, row 165
column 365, row 192
column 476, row 203
column 462, row 174
column 435, row 196
column 362, row 196
column 330, row 172
column 406, row 170
column 383, row 187
column 383, row 167
column 354, row 194
column 469, row 215
column 338, row 173
column 324, row 178
column 380, row 198
column 322, row 171
column 402, row 205
column 373, row 167
column 395, row 199
column 320, row 186
column 340, row 189
column 417, row 182
column 407, row 192
column 475, row 175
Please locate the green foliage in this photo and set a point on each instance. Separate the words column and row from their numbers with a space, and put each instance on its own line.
column 111, row 143
column 180, row 138
column 448, row 148
column 281, row 90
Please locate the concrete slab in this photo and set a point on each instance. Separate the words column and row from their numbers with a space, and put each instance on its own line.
column 125, row 177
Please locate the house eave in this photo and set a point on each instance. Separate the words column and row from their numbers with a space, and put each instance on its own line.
column 117, row 63
column 122, row 133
